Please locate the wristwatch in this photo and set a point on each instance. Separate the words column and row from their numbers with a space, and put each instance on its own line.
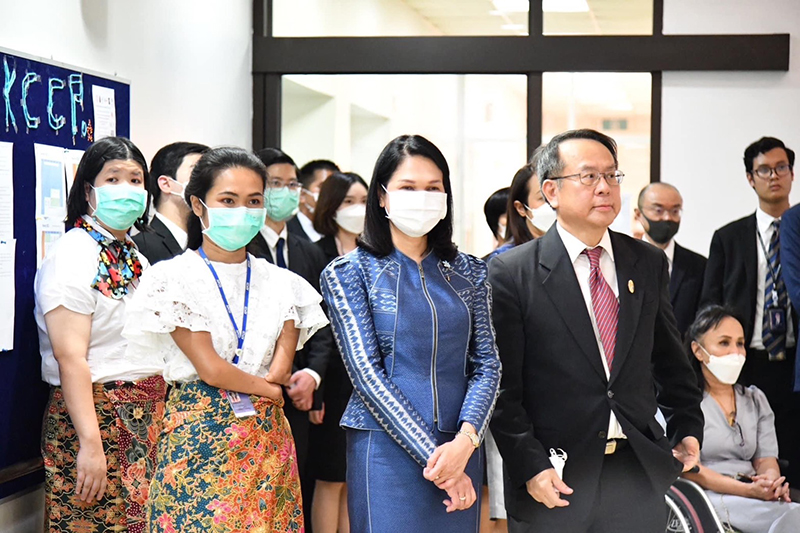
column 473, row 437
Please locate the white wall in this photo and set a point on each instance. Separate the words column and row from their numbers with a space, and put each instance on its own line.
column 710, row 118
column 189, row 61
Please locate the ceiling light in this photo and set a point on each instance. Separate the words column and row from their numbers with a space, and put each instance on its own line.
column 564, row 6
column 512, row 6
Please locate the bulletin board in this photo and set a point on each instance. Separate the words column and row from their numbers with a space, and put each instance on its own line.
column 64, row 109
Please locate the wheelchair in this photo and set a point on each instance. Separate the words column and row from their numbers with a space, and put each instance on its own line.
column 690, row 511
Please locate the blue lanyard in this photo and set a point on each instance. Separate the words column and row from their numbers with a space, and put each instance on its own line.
column 239, row 334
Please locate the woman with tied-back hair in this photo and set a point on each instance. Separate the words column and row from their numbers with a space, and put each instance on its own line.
column 105, row 408
column 227, row 326
column 411, row 317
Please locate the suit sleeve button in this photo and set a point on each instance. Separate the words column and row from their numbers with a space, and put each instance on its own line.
column 602, row 435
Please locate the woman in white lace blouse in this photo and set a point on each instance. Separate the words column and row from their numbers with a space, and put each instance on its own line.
column 227, row 325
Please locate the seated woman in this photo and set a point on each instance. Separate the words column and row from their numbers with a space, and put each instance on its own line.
column 738, row 463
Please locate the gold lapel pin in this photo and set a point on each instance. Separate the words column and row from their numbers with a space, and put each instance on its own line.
column 630, row 286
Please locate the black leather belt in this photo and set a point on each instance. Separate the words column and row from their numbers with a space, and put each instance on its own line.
column 615, row 445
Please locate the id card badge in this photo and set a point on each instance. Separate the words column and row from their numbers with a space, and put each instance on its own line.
column 241, row 404
column 777, row 320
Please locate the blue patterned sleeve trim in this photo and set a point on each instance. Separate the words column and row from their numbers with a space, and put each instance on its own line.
column 484, row 362
column 345, row 294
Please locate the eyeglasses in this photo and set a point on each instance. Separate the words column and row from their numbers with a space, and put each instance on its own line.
column 590, row 179
column 739, row 431
column 764, row 172
column 659, row 211
column 277, row 183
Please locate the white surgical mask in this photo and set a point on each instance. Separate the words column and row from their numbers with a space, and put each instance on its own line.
column 415, row 213
column 351, row 218
column 542, row 217
column 179, row 194
column 725, row 368
column 501, row 231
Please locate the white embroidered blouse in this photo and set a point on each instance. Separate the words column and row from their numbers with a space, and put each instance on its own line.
column 182, row 292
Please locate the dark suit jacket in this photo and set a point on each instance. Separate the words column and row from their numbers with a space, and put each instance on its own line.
column 295, row 228
column 307, row 261
column 554, row 391
column 158, row 244
column 686, row 285
column 790, row 263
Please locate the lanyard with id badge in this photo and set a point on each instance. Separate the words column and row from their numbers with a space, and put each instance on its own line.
column 776, row 315
column 240, row 403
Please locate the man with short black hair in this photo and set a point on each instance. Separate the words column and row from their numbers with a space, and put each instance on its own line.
column 310, row 177
column 590, row 351
column 170, row 171
column 744, row 272
column 659, row 212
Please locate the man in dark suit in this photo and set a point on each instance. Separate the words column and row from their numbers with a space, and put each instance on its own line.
column 590, row 350
column 659, row 211
column 311, row 177
column 744, row 272
column 301, row 256
column 170, row 171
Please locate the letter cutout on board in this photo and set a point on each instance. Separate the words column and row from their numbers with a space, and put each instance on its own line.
column 75, row 97
column 30, row 78
column 56, row 121
column 11, row 76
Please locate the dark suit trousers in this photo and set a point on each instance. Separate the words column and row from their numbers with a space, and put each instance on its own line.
column 298, row 421
column 625, row 502
column 774, row 378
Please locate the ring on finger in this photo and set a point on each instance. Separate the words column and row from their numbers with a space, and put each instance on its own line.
column 462, row 498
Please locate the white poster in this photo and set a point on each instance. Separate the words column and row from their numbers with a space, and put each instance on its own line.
column 105, row 112
column 51, row 197
column 7, row 258
column 6, row 191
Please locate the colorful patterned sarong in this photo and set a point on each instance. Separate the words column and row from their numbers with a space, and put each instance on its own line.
column 220, row 473
column 129, row 416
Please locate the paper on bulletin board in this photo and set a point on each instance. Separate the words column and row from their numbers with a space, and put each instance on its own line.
column 72, row 158
column 6, row 191
column 105, row 112
column 51, row 197
column 7, row 255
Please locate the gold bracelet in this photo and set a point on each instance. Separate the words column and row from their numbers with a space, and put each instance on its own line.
column 473, row 437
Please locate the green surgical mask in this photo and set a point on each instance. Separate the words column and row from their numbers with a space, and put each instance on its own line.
column 232, row 228
column 119, row 206
column 282, row 204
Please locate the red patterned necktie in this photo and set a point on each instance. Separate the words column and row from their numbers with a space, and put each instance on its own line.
column 604, row 304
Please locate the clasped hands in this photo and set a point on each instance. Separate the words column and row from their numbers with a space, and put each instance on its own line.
column 445, row 469
column 767, row 488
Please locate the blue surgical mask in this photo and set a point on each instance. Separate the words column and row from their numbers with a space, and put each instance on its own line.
column 119, row 206
column 232, row 228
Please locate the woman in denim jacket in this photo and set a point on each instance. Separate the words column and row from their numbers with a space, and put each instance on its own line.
column 412, row 319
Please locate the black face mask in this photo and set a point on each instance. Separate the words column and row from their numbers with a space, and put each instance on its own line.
column 661, row 231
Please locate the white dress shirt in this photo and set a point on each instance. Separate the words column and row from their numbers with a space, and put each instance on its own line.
column 669, row 251
column 180, row 235
column 580, row 262
column 764, row 226
column 308, row 226
column 65, row 280
column 272, row 242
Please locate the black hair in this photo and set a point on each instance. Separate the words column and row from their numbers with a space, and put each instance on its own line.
column 519, row 191
column 707, row 318
column 762, row 146
column 167, row 161
column 331, row 195
column 550, row 164
column 494, row 207
column 274, row 156
column 92, row 163
column 377, row 236
column 205, row 173
column 306, row 174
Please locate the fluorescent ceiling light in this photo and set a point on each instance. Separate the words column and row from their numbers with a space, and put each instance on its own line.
column 564, row 6
column 512, row 6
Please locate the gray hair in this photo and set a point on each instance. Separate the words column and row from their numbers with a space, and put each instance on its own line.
column 549, row 164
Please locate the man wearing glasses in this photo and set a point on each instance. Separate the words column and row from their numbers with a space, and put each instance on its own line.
column 659, row 212
column 744, row 272
column 590, row 350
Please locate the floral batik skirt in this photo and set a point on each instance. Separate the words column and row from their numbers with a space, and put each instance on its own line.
column 217, row 472
column 129, row 416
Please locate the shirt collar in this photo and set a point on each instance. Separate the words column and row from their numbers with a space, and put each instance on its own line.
column 575, row 246
column 103, row 231
column 669, row 251
column 308, row 226
column 763, row 221
column 271, row 237
column 177, row 232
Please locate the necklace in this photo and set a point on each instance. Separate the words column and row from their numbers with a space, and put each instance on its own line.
column 729, row 411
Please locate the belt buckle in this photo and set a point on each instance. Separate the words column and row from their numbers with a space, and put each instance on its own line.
column 611, row 447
